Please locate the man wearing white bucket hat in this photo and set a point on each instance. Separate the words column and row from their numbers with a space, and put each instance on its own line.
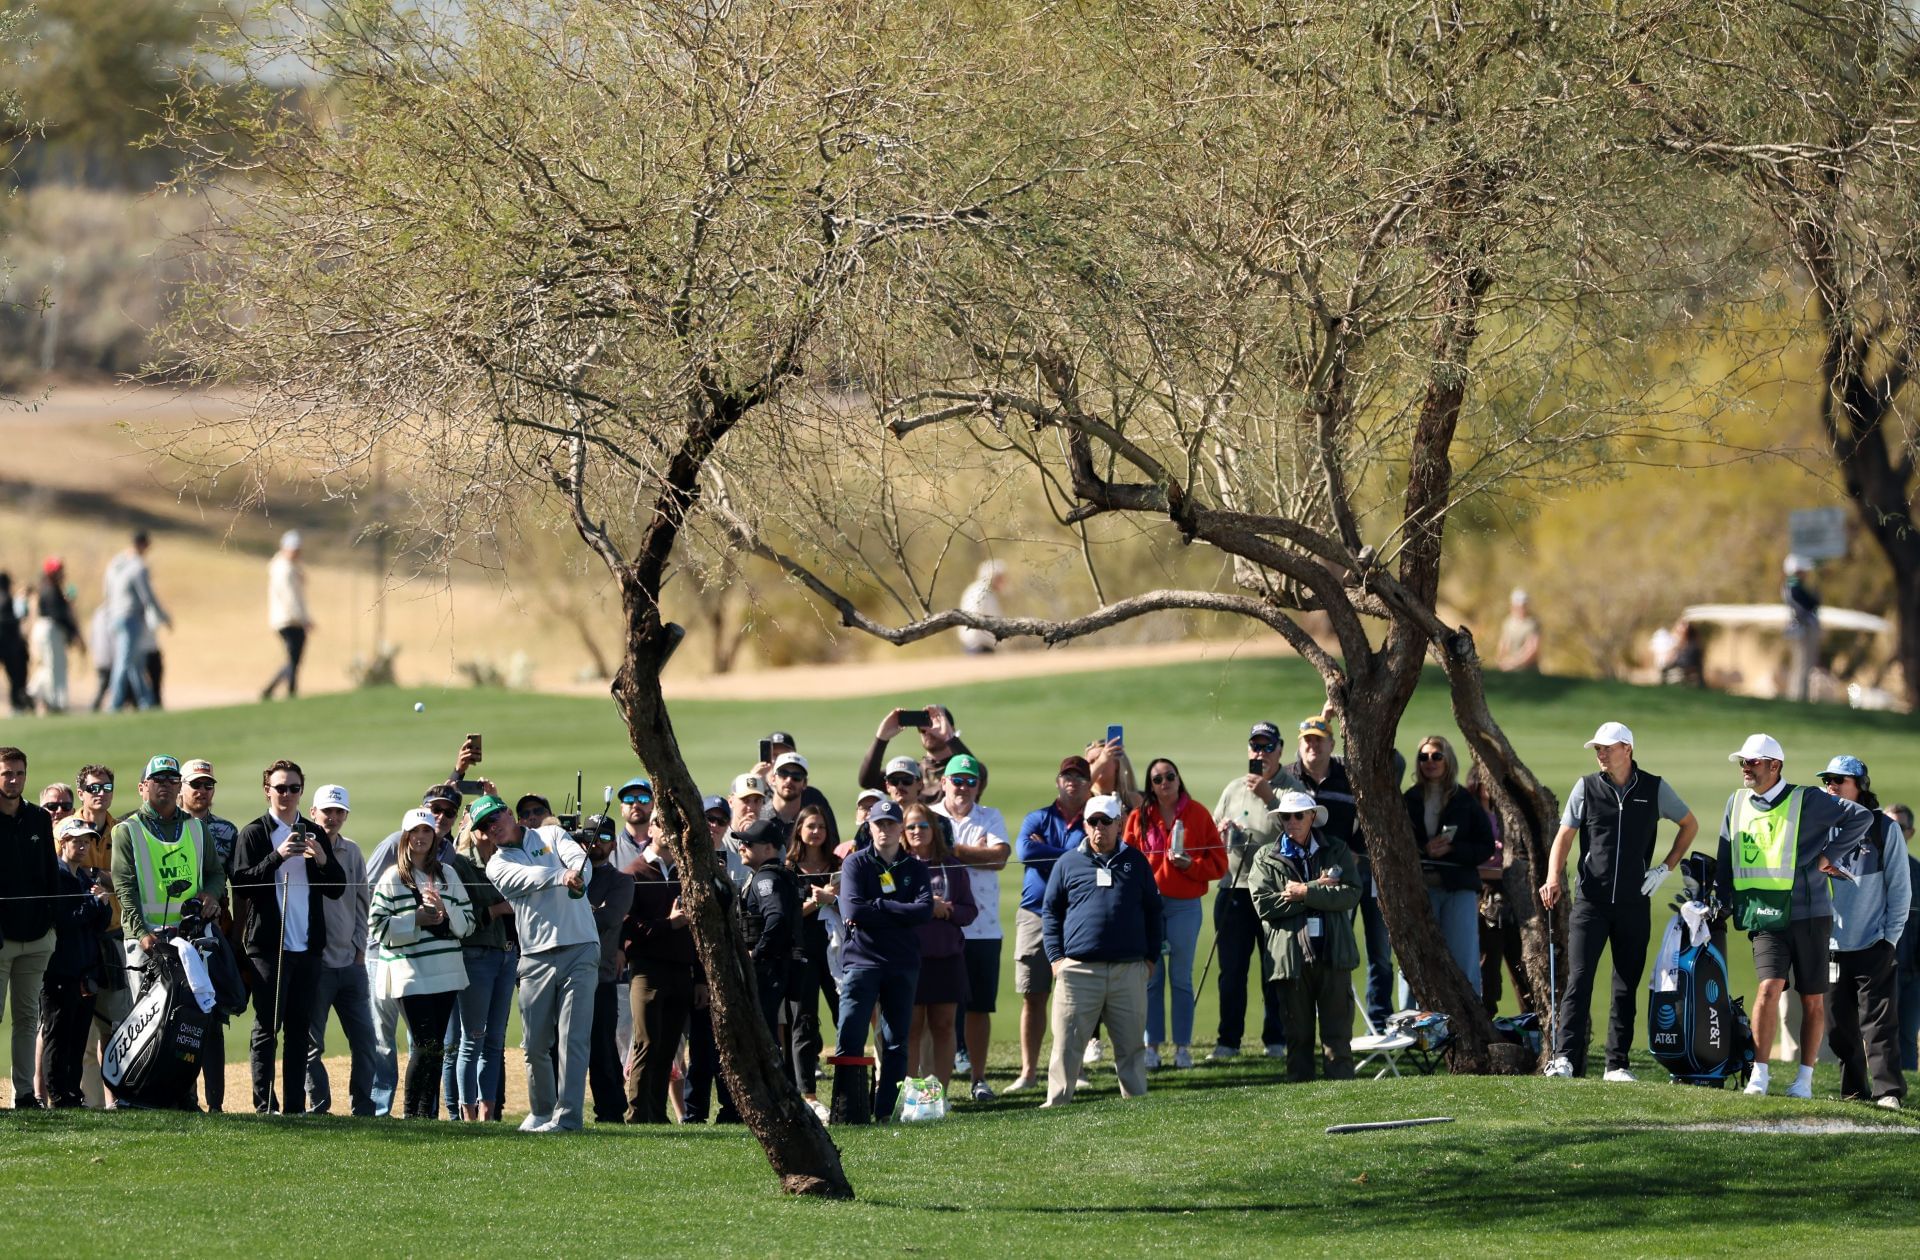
column 1305, row 891
column 1779, row 844
column 1616, row 812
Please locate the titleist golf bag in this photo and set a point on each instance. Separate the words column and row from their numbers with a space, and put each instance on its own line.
column 153, row 1058
column 1697, row 1029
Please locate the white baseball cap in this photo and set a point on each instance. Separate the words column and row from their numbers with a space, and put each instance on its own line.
column 1610, row 733
column 1292, row 802
column 868, row 794
column 1105, row 806
column 1759, row 747
column 748, row 785
column 904, row 765
column 417, row 817
column 789, row 759
column 331, row 796
column 290, row 541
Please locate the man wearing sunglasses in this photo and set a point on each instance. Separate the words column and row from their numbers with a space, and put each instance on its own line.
column 1616, row 812
column 979, row 844
column 1246, row 822
column 1046, row 835
column 285, row 870
column 1102, row 926
column 636, row 811
column 1779, row 845
column 93, row 801
column 940, row 742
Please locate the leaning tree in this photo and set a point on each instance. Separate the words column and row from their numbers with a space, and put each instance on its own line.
column 1359, row 264
column 572, row 249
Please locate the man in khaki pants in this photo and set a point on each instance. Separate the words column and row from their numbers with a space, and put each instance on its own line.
column 1102, row 926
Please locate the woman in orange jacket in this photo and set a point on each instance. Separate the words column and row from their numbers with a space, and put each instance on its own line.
column 1183, row 847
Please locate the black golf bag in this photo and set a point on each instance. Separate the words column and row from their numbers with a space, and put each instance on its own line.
column 153, row 1058
column 1696, row 1028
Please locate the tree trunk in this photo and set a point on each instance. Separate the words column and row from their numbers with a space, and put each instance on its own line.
column 1371, row 719
column 796, row 1143
column 1529, row 818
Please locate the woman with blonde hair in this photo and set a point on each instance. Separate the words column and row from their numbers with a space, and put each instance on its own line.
column 419, row 912
column 1454, row 837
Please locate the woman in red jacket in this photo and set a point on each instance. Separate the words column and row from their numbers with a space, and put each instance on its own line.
column 1182, row 846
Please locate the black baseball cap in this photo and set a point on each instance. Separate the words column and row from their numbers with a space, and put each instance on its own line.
column 441, row 792
column 769, row 831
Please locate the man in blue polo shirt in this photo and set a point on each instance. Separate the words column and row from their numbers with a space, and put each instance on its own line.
column 1045, row 835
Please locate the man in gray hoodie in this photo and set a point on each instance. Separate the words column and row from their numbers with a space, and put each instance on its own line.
column 543, row 874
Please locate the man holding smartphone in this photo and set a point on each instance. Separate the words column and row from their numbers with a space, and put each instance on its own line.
column 940, row 742
column 285, row 866
column 1247, row 823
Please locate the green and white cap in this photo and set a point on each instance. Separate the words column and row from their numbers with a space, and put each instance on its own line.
column 483, row 808
column 157, row 766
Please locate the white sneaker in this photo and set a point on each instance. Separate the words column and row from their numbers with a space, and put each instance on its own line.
column 1888, row 1101
column 1560, row 1065
column 533, row 1123
column 1153, row 1057
column 1276, row 1050
column 1182, row 1057
column 961, row 1063
column 1220, row 1054
column 1756, row 1088
column 1798, row 1090
column 1019, row 1083
column 1092, row 1054
column 1619, row 1076
column 819, row 1109
column 982, row 1092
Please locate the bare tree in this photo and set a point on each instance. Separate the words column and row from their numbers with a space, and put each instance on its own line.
column 1324, row 298
column 572, row 250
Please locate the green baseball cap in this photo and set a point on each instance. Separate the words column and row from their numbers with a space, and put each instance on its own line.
column 157, row 766
column 483, row 808
column 965, row 763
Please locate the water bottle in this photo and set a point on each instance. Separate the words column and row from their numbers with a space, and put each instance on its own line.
column 1179, row 847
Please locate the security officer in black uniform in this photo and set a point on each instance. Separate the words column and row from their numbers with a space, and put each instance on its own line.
column 770, row 911
column 1616, row 812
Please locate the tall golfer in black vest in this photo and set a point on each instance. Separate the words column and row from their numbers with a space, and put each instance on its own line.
column 1616, row 812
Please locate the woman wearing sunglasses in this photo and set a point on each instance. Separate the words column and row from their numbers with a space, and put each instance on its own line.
column 942, row 988
column 1183, row 847
column 1454, row 838
column 1305, row 891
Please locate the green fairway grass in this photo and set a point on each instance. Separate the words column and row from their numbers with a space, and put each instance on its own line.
column 1217, row 1162
column 1198, row 714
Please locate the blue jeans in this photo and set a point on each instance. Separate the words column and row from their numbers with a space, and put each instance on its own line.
column 485, row 1005
column 1909, row 1003
column 343, row 989
column 1459, row 915
column 129, row 672
column 860, row 991
column 385, row 1013
column 449, row 1064
column 1183, row 916
column 1373, row 925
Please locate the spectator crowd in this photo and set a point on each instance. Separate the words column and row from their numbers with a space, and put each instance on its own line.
column 891, row 919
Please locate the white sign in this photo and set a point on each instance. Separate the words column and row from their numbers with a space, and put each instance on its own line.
column 1818, row 533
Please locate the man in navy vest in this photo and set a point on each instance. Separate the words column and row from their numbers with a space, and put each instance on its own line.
column 1616, row 812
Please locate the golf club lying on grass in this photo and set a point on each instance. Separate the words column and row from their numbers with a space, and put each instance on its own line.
column 1387, row 1124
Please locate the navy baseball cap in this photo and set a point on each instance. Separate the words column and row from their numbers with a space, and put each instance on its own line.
column 884, row 811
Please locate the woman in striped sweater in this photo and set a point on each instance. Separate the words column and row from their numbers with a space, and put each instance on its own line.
column 420, row 911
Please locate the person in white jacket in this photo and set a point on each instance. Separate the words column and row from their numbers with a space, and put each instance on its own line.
column 287, row 611
column 543, row 874
column 419, row 912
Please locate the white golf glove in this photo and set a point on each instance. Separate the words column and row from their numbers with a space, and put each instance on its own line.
column 1656, row 875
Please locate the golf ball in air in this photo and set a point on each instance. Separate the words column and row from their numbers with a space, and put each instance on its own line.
column 419, row 707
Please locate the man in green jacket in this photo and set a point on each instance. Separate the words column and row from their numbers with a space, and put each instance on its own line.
column 1304, row 890
column 157, row 847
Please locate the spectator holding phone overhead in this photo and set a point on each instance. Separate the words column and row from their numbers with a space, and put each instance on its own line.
column 1304, row 890
column 1454, row 838
column 1182, row 845
column 940, row 742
